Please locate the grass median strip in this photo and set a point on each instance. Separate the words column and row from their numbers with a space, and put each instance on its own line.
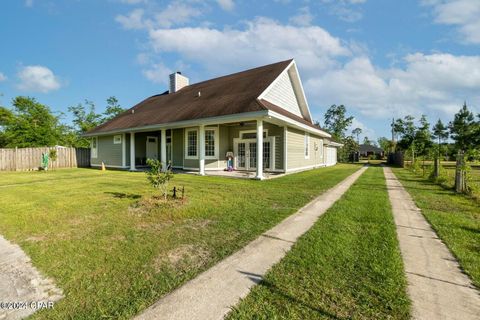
column 455, row 218
column 83, row 229
column 347, row 266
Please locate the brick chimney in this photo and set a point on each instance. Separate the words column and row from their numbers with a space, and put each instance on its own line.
column 177, row 81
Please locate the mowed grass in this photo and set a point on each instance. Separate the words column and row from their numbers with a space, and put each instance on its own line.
column 112, row 258
column 455, row 218
column 348, row 266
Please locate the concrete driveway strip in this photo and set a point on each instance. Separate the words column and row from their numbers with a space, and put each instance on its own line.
column 213, row 293
column 23, row 290
column 436, row 285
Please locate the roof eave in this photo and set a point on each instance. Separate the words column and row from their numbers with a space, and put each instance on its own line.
column 298, row 125
column 245, row 116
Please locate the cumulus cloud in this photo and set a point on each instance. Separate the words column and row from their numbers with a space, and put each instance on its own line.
column 176, row 13
column 29, row 3
column 157, row 73
column 37, row 79
column 464, row 14
column 435, row 84
column 345, row 10
column 2, row 77
column 261, row 40
column 302, row 18
column 227, row 5
column 134, row 20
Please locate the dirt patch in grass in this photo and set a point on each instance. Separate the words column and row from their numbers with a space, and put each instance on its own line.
column 183, row 255
column 145, row 226
column 195, row 224
column 153, row 204
column 36, row 238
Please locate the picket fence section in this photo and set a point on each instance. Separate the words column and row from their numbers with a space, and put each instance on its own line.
column 22, row 159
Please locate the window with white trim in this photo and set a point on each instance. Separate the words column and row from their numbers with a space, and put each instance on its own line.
column 210, row 143
column 117, row 139
column 307, row 145
column 94, row 147
column 191, row 144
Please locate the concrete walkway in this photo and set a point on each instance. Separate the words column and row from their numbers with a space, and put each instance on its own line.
column 213, row 293
column 436, row 285
column 21, row 283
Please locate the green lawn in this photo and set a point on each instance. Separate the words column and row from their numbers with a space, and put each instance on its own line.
column 347, row 266
column 456, row 219
column 82, row 227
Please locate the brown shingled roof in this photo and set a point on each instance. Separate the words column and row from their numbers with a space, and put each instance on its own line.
column 231, row 94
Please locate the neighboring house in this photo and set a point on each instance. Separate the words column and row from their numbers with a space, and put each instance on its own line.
column 259, row 116
column 367, row 150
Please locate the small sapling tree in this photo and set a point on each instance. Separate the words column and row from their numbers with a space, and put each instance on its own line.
column 157, row 177
column 53, row 155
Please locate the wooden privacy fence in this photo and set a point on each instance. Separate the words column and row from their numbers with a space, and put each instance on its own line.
column 31, row 158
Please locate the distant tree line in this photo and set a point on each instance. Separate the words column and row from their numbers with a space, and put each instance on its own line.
column 28, row 123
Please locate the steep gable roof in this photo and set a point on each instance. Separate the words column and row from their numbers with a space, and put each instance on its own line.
column 227, row 95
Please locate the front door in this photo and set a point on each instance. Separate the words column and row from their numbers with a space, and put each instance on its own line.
column 152, row 148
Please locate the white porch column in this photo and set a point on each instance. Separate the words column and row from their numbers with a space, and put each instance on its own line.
column 201, row 156
column 163, row 148
column 259, row 149
column 132, row 151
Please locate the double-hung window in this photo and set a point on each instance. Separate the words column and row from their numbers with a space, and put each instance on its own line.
column 191, row 144
column 210, row 143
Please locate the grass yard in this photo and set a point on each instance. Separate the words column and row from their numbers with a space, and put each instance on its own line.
column 82, row 227
column 455, row 218
column 347, row 266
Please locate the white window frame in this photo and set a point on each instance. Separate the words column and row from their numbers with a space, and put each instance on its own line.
column 117, row 139
column 306, row 145
column 186, row 144
column 265, row 131
column 94, row 151
column 216, row 143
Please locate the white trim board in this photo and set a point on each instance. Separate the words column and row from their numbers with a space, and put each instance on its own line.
column 315, row 166
column 231, row 118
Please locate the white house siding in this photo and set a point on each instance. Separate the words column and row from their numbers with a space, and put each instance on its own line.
column 296, row 151
column 283, row 95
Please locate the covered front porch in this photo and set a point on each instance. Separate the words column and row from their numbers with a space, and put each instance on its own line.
column 248, row 149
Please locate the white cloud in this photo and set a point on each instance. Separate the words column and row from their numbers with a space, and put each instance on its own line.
column 227, row 5
column 303, row 18
column 37, row 79
column 345, row 10
column 435, row 84
column 134, row 20
column 2, row 77
column 261, row 40
column 176, row 13
column 464, row 14
column 366, row 131
column 29, row 3
column 158, row 73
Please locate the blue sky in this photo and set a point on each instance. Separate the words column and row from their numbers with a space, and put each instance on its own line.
column 381, row 58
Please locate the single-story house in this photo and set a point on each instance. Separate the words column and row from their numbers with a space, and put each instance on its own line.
column 255, row 120
column 366, row 150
